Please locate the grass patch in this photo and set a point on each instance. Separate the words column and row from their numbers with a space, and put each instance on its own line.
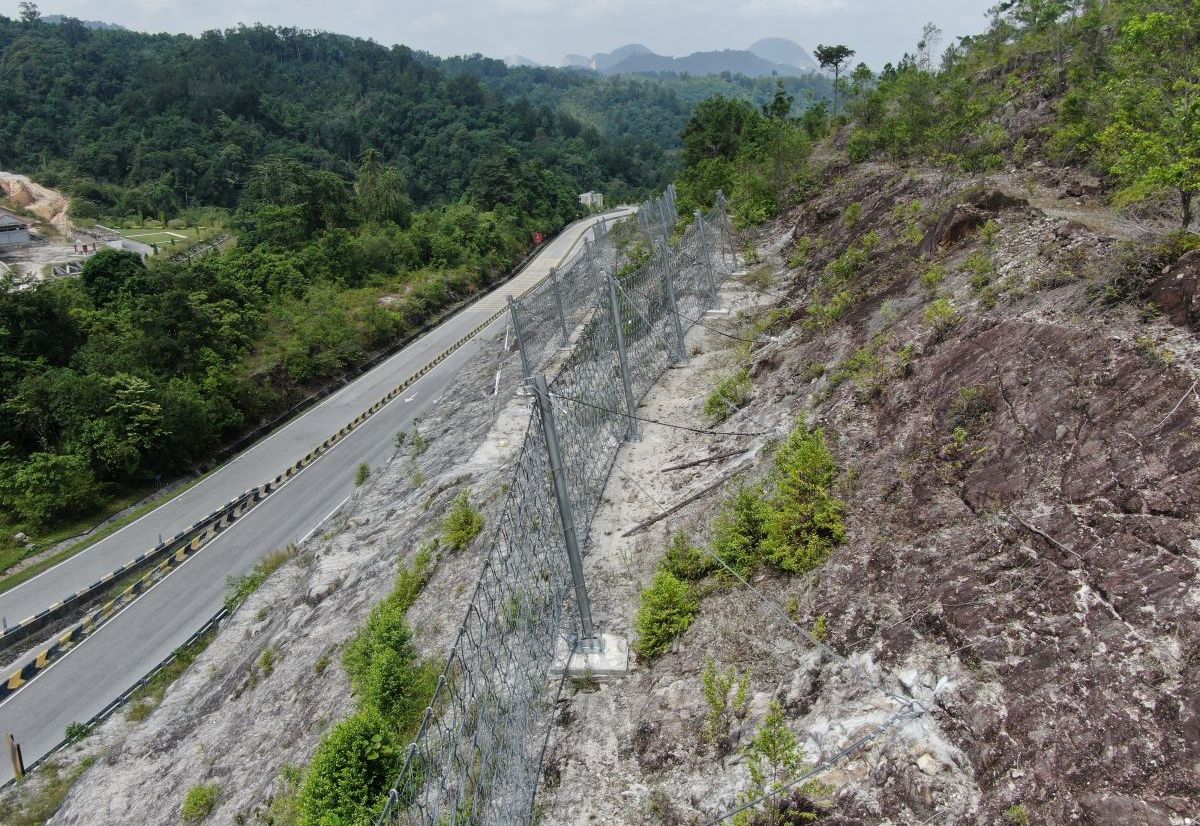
column 1150, row 350
column 731, row 394
column 1017, row 815
column 463, row 523
column 362, row 475
column 34, row 808
column 199, row 802
column 873, row 367
column 241, row 587
column 147, row 698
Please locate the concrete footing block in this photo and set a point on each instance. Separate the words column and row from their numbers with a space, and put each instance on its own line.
column 711, row 313
column 606, row 658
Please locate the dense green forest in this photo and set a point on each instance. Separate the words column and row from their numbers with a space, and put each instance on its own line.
column 131, row 123
column 368, row 191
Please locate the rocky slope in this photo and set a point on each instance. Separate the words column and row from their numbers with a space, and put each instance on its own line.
column 1008, row 630
column 1017, row 431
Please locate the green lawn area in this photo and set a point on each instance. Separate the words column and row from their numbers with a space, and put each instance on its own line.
column 181, row 236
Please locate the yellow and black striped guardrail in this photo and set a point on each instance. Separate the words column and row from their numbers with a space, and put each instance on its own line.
column 169, row 555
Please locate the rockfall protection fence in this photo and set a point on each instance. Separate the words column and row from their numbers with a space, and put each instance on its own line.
column 478, row 754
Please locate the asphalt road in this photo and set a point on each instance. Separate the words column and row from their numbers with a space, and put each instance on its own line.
column 84, row 681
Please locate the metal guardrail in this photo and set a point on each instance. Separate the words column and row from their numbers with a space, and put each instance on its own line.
column 109, row 709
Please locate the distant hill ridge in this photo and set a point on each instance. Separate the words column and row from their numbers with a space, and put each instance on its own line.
column 769, row 56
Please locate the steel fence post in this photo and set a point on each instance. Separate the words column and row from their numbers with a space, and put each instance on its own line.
column 614, row 303
column 727, row 230
column 525, row 368
column 566, row 516
column 662, row 217
column 668, row 270
column 558, row 299
column 708, row 260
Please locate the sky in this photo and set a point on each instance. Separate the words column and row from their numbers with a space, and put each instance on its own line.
column 545, row 30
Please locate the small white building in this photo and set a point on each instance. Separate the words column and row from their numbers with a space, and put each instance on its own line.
column 14, row 230
column 594, row 200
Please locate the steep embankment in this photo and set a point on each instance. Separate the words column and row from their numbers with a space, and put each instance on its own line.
column 1016, row 435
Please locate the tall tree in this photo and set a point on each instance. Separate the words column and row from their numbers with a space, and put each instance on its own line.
column 780, row 107
column 835, row 58
column 379, row 191
column 1153, row 143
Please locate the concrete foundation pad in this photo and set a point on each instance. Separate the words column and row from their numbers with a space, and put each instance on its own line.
column 716, row 312
column 607, row 658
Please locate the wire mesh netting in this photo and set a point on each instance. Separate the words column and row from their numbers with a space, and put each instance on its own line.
column 478, row 754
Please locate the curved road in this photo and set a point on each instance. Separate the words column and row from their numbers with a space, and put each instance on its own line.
column 85, row 680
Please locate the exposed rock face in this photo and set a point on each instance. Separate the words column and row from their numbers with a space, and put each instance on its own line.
column 1175, row 291
column 960, row 220
column 1043, row 535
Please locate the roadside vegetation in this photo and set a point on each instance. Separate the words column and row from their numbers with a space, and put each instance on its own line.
column 790, row 523
column 392, row 684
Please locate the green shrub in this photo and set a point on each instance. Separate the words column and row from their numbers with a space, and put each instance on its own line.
column 362, row 474
column 349, row 773
column 77, row 731
column 667, row 609
column 462, row 524
column 685, row 561
column 721, row 708
column 860, row 146
column 1017, row 815
column 852, row 215
column 199, row 802
column 382, row 663
column 774, row 759
column 982, row 270
column 731, row 393
column 418, row 443
column 805, row 518
column 942, row 317
column 739, row 529
column 933, row 276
